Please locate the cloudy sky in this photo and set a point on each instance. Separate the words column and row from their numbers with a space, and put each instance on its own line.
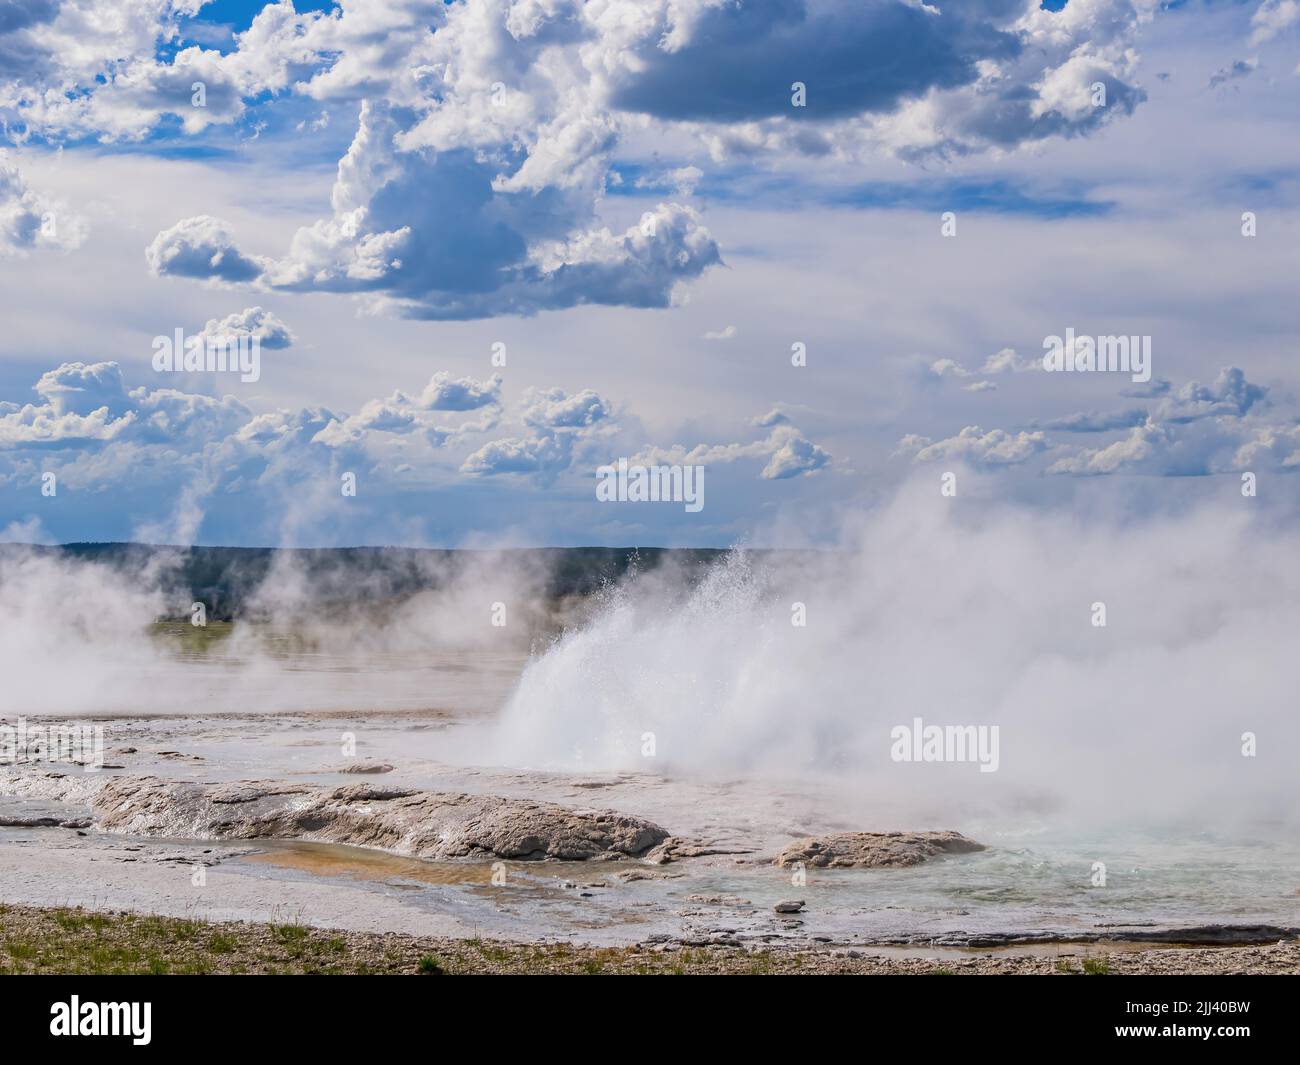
column 487, row 246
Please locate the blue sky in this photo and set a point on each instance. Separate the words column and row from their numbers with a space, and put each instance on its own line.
column 624, row 197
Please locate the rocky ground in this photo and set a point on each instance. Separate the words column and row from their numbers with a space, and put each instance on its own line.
column 77, row 941
column 435, row 825
column 321, row 854
column 425, row 824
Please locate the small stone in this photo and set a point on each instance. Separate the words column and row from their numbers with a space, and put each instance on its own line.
column 789, row 906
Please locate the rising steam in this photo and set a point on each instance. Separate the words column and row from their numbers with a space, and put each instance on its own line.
column 957, row 612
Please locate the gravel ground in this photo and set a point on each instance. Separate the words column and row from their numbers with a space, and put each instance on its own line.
column 34, row 940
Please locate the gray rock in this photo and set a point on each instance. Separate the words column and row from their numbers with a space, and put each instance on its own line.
column 871, row 850
column 789, row 906
column 18, row 821
column 674, row 849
